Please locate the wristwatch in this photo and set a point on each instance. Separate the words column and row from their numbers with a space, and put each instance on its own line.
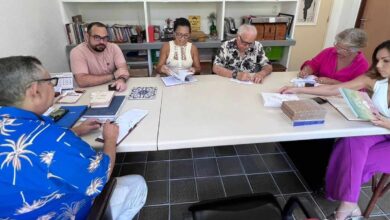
column 234, row 74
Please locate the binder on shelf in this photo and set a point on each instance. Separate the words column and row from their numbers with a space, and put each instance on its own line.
column 109, row 112
column 73, row 115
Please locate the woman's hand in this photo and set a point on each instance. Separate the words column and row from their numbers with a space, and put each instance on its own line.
column 86, row 127
column 166, row 70
column 326, row 80
column 192, row 69
column 288, row 90
column 381, row 121
column 305, row 71
column 244, row 76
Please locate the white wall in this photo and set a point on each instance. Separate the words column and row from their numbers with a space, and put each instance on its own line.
column 34, row 28
column 343, row 15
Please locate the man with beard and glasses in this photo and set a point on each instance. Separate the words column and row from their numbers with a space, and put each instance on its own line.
column 242, row 57
column 97, row 61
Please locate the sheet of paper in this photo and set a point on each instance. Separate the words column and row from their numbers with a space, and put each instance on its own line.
column 172, row 81
column 241, row 82
column 300, row 82
column 276, row 99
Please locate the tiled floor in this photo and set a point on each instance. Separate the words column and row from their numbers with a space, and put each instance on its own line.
column 178, row 178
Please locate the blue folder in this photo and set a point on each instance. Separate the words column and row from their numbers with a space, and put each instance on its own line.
column 73, row 115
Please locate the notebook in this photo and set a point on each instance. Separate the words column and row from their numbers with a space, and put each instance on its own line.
column 109, row 112
column 173, row 81
column 101, row 99
column 127, row 122
column 360, row 103
column 73, row 115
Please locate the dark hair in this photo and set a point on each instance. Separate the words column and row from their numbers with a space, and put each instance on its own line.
column 181, row 22
column 93, row 24
column 18, row 71
column 373, row 71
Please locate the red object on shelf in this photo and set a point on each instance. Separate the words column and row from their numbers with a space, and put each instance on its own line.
column 151, row 33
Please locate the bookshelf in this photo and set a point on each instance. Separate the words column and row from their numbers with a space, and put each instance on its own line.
column 154, row 12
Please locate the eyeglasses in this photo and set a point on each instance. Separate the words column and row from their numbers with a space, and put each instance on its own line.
column 245, row 43
column 340, row 48
column 53, row 81
column 180, row 35
column 98, row 38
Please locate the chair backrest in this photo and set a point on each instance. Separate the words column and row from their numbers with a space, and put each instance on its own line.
column 378, row 190
column 100, row 208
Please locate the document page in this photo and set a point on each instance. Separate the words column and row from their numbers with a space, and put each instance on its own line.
column 276, row 99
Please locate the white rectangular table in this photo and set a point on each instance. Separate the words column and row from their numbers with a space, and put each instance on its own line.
column 216, row 111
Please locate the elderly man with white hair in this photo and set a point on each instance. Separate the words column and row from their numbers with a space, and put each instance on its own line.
column 242, row 57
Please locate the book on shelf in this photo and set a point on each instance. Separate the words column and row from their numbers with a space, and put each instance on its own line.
column 127, row 122
column 109, row 112
column 359, row 103
column 101, row 99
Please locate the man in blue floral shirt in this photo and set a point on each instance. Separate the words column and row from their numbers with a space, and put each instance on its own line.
column 48, row 172
column 242, row 57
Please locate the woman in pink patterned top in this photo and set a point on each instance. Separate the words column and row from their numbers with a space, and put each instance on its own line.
column 340, row 63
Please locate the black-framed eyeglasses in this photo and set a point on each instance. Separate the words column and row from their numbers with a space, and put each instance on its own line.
column 180, row 35
column 99, row 38
column 249, row 44
column 53, row 81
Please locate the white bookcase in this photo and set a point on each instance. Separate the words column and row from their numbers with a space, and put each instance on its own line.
column 154, row 12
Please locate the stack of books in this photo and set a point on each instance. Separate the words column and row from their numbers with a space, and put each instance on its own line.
column 107, row 113
column 304, row 112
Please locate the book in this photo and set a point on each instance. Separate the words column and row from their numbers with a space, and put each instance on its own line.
column 109, row 112
column 127, row 122
column 183, row 75
column 143, row 93
column 342, row 107
column 173, row 81
column 304, row 112
column 101, row 99
column 73, row 115
column 360, row 103
column 69, row 97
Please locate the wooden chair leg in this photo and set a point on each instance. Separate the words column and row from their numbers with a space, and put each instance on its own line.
column 377, row 193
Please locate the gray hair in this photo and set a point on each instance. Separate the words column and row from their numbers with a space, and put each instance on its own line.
column 16, row 74
column 246, row 28
column 352, row 37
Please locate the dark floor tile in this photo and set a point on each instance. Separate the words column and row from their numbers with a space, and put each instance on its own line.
column 134, row 168
column 276, row 162
column 179, row 212
column 158, row 155
column 383, row 202
column 246, row 149
column 206, row 167
column 180, row 154
column 327, row 206
column 229, row 166
column 209, row 188
column 306, row 198
column 119, row 157
column 183, row 191
column 116, row 170
column 203, row 152
column 267, row 148
column 224, row 151
column 236, row 185
column 135, row 157
column 180, row 169
column 263, row 183
column 157, row 192
column 253, row 164
column 288, row 182
column 157, row 170
column 154, row 213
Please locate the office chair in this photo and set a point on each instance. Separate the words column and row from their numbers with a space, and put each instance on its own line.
column 100, row 209
column 378, row 189
column 249, row 207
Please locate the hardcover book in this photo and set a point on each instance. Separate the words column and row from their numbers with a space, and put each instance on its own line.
column 106, row 113
column 101, row 99
column 304, row 112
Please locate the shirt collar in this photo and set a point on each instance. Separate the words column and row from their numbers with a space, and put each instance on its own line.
column 13, row 112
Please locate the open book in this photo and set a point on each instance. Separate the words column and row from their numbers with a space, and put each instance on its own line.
column 360, row 106
column 178, row 77
column 127, row 122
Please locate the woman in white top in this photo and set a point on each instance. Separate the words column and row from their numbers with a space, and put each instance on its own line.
column 179, row 53
column 355, row 160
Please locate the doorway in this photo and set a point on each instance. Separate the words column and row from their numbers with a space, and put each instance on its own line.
column 374, row 18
